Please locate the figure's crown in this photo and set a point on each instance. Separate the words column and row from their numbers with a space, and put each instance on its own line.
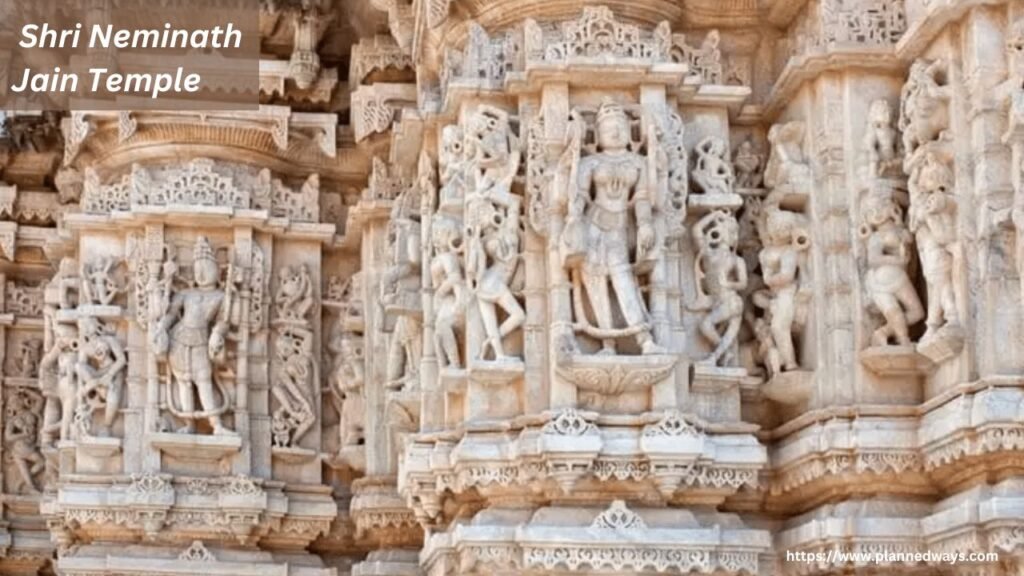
column 202, row 250
column 609, row 109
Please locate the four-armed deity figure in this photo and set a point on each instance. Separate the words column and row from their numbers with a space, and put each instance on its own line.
column 191, row 334
column 610, row 196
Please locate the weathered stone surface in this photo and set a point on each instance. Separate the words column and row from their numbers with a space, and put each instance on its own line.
column 645, row 286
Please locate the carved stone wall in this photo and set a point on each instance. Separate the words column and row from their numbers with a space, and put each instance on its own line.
column 515, row 287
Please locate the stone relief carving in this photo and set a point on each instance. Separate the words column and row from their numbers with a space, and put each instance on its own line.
column 26, row 363
column 58, row 380
column 191, row 336
column 100, row 368
column 400, row 290
column 492, row 251
column 449, row 285
column 787, row 173
column 721, row 275
column 292, row 386
column 713, row 173
column 610, row 191
column 22, row 418
column 100, row 285
column 748, row 164
column 889, row 289
column 785, row 238
column 705, row 60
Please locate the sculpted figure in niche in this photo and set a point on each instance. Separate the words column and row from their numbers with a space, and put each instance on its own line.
column 400, row 291
column 890, row 291
column 99, row 286
column 924, row 102
column 21, row 434
column 932, row 219
column 294, row 294
column 783, row 272
column 60, row 386
column 100, row 369
column 493, row 226
column 880, row 144
column 65, row 282
column 787, row 169
column 610, row 196
column 191, row 335
column 449, row 288
column 346, row 380
column 292, row 387
column 721, row 276
column 450, row 165
column 713, row 173
column 26, row 364
column 749, row 164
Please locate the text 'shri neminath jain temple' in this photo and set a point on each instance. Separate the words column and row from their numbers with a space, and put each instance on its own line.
column 531, row 287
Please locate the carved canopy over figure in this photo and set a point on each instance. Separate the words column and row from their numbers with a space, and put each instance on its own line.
column 611, row 195
column 191, row 334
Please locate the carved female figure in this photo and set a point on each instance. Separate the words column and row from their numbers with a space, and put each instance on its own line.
column 721, row 276
column 889, row 288
column 294, row 294
column 932, row 219
column 61, row 396
column 612, row 192
column 191, row 334
column 449, row 288
column 100, row 368
column 347, row 385
column 879, row 144
column 782, row 265
column 749, row 164
column 713, row 172
column 787, row 167
column 292, row 387
column 21, row 434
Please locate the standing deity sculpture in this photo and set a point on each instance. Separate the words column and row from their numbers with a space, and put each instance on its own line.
column 611, row 194
column 783, row 268
column 493, row 226
column 889, row 289
column 721, row 276
column 191, row 334
column 713, row 173
column 100, row 368
column 448, row 282
column 1011, row 94
column 400, row 289
column 748, row 163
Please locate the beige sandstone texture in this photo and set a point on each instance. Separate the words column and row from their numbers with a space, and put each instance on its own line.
column 531, row 287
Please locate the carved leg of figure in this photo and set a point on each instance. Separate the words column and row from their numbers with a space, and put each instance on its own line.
column 782, row 314
column 396, row 356
column 596, row 286
column 22, row 463
column 489, row 317
column 208, row 400
column 722, row 350
column 895, row 324
column 413, row 350
column 447, row 342
column 51, row 421
column 628, row 295
column 68, row 403
column 187, row 402
column 111, row 409
column 913, row 311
